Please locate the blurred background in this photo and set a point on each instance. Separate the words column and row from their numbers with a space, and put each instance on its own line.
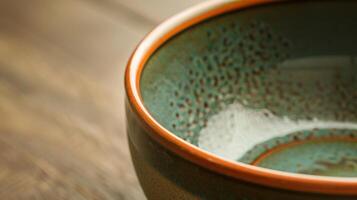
column 61, row 95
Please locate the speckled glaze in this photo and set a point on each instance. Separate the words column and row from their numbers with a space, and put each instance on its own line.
column 251, row 61
column 256, row 59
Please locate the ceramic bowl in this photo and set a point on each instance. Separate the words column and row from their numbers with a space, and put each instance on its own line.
column 247, row 100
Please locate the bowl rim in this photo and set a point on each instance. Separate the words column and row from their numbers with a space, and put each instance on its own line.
column 241, row 171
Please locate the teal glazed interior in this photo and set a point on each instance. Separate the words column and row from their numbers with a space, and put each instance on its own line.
column 272, row 85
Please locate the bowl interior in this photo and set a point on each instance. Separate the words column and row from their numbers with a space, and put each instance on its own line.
column 273, row 85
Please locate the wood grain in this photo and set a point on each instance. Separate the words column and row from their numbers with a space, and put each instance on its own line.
column 62, row 133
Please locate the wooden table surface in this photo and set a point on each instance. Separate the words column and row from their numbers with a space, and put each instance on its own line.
column 61, row 95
